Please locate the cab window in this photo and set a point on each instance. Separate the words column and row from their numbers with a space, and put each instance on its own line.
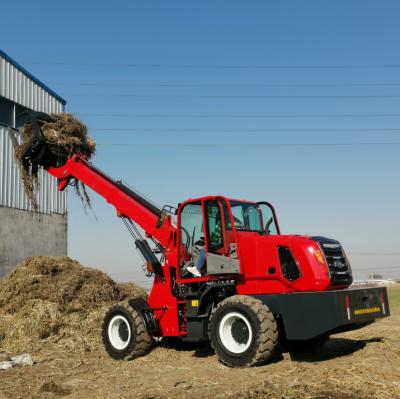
column 268, row 219
column 246, row 216
column 191, row 226
column 214, row 226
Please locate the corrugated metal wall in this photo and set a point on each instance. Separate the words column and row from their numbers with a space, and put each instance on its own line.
column 21, row 89
column 12, row 193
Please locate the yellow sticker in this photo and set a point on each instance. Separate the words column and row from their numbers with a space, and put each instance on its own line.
column 367, row 310
column 195, row 302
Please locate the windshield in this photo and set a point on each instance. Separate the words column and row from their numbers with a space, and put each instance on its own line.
column 246, row 216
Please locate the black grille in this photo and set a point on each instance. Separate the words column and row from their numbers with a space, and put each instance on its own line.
column 339, row 268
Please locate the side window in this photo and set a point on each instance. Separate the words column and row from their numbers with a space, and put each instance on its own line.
column 20, row 116
column 6, row 112
column 246, row 216
column 268, row 219
column 237, row 213
column 290, row 270
column 252, row 216
column 214, row 226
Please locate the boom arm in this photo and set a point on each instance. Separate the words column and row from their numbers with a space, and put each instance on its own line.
column 127, row 202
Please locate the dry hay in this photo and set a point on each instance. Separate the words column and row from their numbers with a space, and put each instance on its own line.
column 65, row 136
column 299, row 390
column 52, row 387
column 57, row 299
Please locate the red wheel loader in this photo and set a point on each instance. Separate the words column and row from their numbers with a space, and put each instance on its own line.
column 256, row 285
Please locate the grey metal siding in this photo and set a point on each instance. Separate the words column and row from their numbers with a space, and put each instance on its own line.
column 19, row 86
column 23, row 90
column 12, row 193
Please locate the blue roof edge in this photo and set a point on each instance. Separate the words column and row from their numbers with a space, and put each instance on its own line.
column 37, row 81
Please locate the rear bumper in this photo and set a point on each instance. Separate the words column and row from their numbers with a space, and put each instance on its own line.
column 305, row 315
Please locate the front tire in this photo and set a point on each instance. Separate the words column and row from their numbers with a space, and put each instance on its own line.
column 243, row 331
column 124, row 333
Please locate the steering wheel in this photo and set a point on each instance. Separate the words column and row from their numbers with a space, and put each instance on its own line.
column 238, row 223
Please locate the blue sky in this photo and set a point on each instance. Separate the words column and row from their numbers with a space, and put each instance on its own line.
column 96, row 57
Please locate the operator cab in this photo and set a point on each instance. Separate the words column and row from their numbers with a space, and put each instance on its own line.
column 209, row 229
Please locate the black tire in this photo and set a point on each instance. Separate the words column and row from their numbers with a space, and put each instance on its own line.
column 124, row 333
column 310, row 345
column 243, row 332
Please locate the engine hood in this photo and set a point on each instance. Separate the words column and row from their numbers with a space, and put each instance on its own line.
column 321, row 261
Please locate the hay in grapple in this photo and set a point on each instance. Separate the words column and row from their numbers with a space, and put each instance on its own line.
column 65, row 136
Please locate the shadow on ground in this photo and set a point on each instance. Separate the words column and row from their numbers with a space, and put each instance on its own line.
column 200, row 349
column 335, row 347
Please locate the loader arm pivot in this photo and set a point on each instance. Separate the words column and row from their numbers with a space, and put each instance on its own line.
column 127, row 202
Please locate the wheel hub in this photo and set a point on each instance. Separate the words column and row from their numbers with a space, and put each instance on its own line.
column 123, row 332
column 240, row 332
column 119, row 332
column 235, row 332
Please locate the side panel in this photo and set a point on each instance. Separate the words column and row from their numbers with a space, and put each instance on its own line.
column 309, row 314
column 217, row 264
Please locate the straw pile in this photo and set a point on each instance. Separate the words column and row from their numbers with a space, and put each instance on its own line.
column 56, row 299
column 65, row 136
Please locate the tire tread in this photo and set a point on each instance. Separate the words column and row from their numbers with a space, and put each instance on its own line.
column 268, row 334
column 143, row 340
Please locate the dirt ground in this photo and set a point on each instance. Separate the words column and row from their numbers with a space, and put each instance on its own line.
column 359, row 364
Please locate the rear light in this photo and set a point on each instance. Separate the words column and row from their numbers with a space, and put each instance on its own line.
column 319, row 256
column 383, row 303
column 348, row 307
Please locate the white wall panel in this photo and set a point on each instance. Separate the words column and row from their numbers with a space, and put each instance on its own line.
column 22, row 89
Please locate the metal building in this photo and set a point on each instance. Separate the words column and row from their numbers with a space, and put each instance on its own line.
column 23, row 231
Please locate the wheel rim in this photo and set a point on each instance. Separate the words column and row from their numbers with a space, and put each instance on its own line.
column 119, row 332
column 235, row 332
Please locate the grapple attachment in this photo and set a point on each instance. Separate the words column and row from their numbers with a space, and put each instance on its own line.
column 36, row 151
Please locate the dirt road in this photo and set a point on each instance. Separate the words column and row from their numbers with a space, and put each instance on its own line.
column 359, row 364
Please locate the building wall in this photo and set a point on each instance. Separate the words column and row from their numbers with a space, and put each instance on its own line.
column 24, row 234
column 22, row 88
column 12, row 193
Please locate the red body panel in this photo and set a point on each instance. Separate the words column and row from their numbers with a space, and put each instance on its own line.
column 259, row 254
column 165, row 305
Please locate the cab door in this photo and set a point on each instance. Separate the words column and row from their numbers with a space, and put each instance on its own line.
column 191, row 231
column 221, row 247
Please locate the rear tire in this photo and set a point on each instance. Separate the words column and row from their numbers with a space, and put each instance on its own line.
column 124, row 333
column 243, row 332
